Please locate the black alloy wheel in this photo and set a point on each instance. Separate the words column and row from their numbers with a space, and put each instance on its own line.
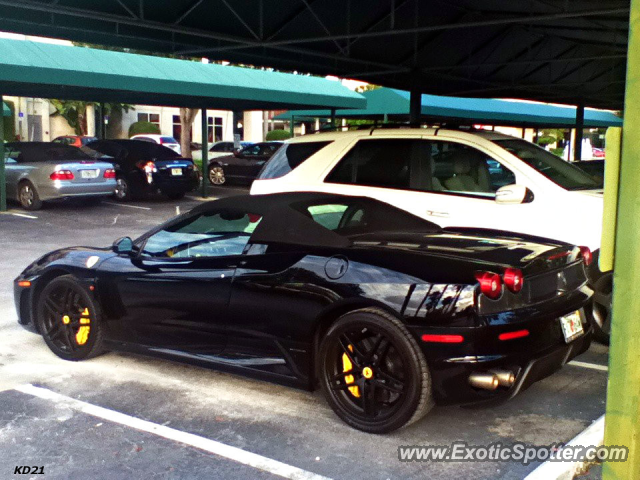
column 373, row 373
column 28, row 196
column 602, row 299
column 68, row 319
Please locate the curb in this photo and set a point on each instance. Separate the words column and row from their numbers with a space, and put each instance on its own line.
column 593, row 435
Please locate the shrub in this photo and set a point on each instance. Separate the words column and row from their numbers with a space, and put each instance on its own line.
column 558, row 151
column 138, row 128
column 278, row 134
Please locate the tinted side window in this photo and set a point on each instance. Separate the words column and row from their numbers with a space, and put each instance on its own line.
column 11, row 154
column 288, row 157
column 212, row 234
column 381, row 163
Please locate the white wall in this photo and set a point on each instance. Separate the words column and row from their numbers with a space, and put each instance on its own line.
column 252, row 123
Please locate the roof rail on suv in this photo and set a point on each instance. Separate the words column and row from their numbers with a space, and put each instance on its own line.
column 389, row 125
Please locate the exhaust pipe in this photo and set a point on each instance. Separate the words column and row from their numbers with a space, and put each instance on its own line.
column 506, row 378
column 486, row 381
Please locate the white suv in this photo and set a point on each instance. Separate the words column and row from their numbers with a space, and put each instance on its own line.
column 470, row 178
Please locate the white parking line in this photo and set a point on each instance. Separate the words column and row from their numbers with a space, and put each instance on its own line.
column 129, row 206
column 23, row 215
column 201, row 199
column 232, row 453
column 592, row 366
column 593, row 435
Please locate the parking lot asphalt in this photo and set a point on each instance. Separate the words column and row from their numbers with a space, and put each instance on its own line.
column 281, row 425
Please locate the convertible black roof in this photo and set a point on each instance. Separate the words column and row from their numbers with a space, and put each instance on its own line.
column 286, row 220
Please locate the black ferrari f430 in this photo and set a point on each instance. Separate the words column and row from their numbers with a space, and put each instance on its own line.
column 388, row 313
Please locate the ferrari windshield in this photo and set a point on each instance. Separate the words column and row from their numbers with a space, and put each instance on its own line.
column 556, row 169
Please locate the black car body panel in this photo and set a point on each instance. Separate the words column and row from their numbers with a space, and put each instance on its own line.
column 263, row 312
column 245, row 165
column 171, row 173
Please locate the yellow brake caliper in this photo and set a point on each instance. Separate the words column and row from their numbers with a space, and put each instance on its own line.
column 347, row 367
column 83, row 332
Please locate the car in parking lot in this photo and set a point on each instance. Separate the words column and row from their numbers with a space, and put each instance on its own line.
column 163, row 140
column 145, row 167
column 74, row 140
column 37, row 172
column 386, row 311
column 470, row 178
column 242, row 166
column 219, row 149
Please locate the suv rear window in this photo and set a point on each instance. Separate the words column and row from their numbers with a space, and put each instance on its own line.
column 288, row 157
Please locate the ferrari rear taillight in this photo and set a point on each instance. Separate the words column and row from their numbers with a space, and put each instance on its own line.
column 62, row 175
column 513, row 335
column 513, row 279
column 490, row 284
column 587, row 256
column 109, row 173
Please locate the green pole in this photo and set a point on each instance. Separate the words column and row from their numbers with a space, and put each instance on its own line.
column 333, row 118
column 205, row 152
column 3, row 183
column 613, row 143
column 291, row 125
column 622, row 421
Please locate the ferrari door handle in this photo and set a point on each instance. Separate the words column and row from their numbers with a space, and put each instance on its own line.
column 433, row 213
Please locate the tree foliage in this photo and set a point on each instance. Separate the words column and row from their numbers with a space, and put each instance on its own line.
column 549, row 136
column 75, row 113
column 139, row 128
column 277, row 134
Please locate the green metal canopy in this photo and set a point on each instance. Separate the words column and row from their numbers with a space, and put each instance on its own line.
column 571, row 52
column 58, row 71
column 6, row 111
column 394, row 104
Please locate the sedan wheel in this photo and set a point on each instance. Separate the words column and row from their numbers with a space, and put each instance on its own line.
column 216, row 175
column 373, row 373
column 68, row 321
column 28, row 197
column 602, row 299
column 122, row 190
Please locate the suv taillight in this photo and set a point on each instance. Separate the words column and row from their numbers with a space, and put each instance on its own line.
column 109, row 173
column 587, row 256
column 490, row 284
column 62, row 175
column 513, row 279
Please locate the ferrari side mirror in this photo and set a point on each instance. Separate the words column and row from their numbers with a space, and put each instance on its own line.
column 123, row 245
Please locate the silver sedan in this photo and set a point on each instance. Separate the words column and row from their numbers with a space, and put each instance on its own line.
column 41, row 171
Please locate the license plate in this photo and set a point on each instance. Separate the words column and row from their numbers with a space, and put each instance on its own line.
column 176, row 171
column 571, row 326
column 88, row 173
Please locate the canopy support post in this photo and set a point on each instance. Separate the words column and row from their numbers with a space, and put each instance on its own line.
column 3, row 183
column 577, row 149
column 103, row 127
column 415, row 100
column 333, row 118
column 622, row 425
column 205, row 152
column 292, row 125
